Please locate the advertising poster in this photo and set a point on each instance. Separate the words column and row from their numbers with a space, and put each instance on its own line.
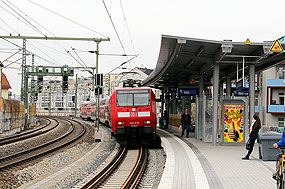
column 233, row 123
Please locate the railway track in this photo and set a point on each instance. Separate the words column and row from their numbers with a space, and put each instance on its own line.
column 50, row 125
column 75, row 132
column 124, row 171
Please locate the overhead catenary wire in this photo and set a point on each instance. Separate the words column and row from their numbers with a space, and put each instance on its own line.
column 29, row 24
column 127, row 26
column 117, row 34
column 120, row 65
column 30, row 52
column 13, row 62
column 79, row 58
column 10, row 56
column 67, row 18
column 7, row 26
column 55, row 62
column 36, row 27
column 75, row 59
column 41, row 26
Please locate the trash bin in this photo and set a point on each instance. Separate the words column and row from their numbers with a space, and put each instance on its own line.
column 267, row 140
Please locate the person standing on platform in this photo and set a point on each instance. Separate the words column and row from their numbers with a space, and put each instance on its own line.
column 185, row 122
column 254, row 129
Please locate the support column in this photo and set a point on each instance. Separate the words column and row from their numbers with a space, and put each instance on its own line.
column 251, row 91
column 200, row 104
column 167, row 100
column 167, row 105
column 174, row 108
column 228, row 86
column 215, row 102
column 162, row 107
column 183, row 104
column 221, row 89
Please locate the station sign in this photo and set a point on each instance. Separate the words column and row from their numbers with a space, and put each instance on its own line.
column 187, row 92
column 240, row 85
column 241, row 93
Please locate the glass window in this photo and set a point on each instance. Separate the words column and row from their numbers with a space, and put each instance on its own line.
column 142, row 99
column 281, row 122
column 282, row 73
column 71, row 104
column 133, row 98
column 124, row 100
column 59, row 104
column 45, row 104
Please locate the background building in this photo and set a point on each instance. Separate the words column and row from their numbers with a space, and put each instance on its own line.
column 51, row 101
column 5, row 87
column 273, row 95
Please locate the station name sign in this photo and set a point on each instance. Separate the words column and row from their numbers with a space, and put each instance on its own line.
column 186, row 92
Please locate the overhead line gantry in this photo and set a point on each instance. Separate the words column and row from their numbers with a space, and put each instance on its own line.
column 24, row 80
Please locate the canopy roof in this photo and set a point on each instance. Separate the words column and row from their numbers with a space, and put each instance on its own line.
column 183, row 59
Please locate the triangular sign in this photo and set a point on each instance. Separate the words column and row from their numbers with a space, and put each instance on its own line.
column 247, row 42
column 276, row 47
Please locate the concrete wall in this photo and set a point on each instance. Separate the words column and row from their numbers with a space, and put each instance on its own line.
column 12, row 116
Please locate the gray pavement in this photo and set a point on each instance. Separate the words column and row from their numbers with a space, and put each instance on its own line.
column 222, row 165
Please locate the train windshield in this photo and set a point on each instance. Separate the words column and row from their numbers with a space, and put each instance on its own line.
column 133, row 98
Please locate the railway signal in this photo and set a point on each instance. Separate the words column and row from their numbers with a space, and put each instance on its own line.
column 64, row 84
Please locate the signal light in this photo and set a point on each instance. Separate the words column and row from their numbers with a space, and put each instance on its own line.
column 64, row 84
column 40, row 83
column 98, row 89
column 121, row 123
column 146, row 122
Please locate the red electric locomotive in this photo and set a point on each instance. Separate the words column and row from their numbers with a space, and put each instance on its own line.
column 130, row 112
column 133, row 115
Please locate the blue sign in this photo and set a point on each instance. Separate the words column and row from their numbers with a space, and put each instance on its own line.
column 240, row 85
column 241, row 93
column 187, row 91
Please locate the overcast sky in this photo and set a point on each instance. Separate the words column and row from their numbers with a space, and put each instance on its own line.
column 258, row 20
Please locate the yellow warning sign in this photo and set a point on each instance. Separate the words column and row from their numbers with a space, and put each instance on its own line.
column 247, row 42
column 192, row 81
column 276, row 47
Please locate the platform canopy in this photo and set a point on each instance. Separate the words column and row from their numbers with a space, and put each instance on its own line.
column 182, row 60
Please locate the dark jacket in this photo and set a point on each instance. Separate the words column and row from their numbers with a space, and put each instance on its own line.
column 254, row 130
column 183, row 117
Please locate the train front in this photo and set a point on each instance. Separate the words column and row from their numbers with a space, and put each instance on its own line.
column 133, row 115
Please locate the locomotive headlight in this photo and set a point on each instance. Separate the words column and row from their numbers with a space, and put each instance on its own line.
column 146, row 122
column 133, row 109
column 121, row 123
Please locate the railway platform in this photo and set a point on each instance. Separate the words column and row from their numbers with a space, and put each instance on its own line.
column 193, row 164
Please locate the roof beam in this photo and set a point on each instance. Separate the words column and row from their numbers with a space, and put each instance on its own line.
column 197, row 58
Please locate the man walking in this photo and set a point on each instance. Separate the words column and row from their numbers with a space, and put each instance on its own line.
column 185, row 122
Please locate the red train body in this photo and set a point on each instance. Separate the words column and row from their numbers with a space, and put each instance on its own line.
column 131, row 113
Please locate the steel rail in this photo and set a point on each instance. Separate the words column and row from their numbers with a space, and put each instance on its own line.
column 106, row 171
column 25, row 135
column 138, row 170
column 9, row 161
